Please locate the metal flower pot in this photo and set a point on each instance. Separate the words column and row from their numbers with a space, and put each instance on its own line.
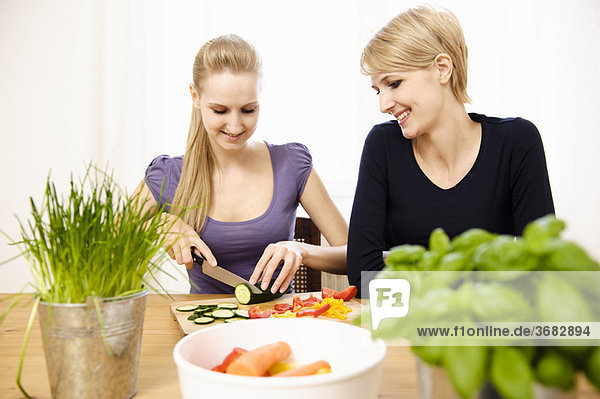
column 75, row 345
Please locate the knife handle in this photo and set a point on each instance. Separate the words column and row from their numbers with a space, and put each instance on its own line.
column 198, row 259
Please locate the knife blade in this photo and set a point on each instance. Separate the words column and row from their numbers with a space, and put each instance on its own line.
column 223, row 275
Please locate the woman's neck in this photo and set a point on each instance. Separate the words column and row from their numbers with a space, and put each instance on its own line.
column 448, row 152
column 243, row 157
column 455, row 135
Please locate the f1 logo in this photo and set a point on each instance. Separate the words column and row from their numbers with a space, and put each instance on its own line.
column 389, row 298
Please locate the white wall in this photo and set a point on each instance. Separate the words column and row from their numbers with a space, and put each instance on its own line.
column 107, row 81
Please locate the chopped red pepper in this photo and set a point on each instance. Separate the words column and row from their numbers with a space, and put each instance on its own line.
column 312, row 311
column 305, row 312
column 235, row 353
column 255, row 313
column 321, row 310
column 327, row 292
column 346, row 294
column 296, row 303
column 311, row 300
column 282, row 307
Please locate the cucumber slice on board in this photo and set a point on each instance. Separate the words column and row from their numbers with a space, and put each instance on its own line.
column 243, row 313
column 227, row 305
column 234, row 319
column 222, row 314
column 186, row 308
column 203, row 320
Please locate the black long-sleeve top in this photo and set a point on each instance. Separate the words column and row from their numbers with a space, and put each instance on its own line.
column 395, row 203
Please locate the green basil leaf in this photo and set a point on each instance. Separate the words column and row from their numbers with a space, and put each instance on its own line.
column 592, row 368
column 466, row 368
column 471, row 239
column 454, row 261
column 565, row 255
column 537, row 234
column 559, row 301
column 510, row 373
column 493, row 302
column 504, row 253
column 405, row 255
column 439, row 242
column 554, row 369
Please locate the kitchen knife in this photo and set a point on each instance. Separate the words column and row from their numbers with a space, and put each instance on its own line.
column 223, row 275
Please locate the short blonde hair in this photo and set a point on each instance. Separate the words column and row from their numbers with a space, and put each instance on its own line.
column 413, row 39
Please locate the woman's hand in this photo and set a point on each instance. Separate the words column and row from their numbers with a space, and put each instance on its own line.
column 182, row 239
column 288, row 252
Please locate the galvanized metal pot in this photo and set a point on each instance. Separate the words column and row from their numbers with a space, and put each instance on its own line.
column 77, row 358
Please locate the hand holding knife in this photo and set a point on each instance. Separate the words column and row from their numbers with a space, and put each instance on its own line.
column 223, row 275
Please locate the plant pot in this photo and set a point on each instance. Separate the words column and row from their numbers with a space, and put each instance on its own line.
column 77, row 359
column 433, row 383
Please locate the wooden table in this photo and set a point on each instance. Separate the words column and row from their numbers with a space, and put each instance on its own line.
column 157, row 373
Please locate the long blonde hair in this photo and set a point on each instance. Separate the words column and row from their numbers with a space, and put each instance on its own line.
column 227, row 53
column 413, row 39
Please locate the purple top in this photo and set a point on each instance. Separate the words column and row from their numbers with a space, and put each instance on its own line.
column 238, row 246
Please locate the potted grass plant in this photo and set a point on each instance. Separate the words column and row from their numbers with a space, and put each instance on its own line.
column 91, row 253
column 538, row 277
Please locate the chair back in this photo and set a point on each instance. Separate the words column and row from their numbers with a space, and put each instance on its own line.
column 307, row 279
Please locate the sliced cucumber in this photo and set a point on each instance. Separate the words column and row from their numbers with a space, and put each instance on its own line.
column 227, row 305
column 234, row 319
column 207, row 314
column 243, row 313
column 245, row 296
column 186, row 308
column 203, row 320
column 222, row 314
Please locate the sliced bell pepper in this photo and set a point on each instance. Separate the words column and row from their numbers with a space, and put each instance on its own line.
column 311, row 300
column 255, row 313
column 287, row 313
column 337, row 308
column 282, row 307
column 346, row 294
column 296, row 304
column 314, row 311
column 305, row 312
column 321, row 310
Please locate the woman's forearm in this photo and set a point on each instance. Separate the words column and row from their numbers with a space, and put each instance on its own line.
column 327, row 259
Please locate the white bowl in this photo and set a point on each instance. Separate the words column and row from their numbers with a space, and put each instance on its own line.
column 355, row 360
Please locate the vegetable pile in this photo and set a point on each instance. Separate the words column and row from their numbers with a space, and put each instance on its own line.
column 331, row 305
column 267, row 361
column 512, row 370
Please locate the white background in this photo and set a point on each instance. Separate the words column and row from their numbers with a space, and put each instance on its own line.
column 108, row 81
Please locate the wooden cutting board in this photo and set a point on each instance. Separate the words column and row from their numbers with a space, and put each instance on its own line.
column 187, row 326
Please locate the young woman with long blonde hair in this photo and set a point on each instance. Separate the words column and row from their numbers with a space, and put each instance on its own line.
column 232, row 199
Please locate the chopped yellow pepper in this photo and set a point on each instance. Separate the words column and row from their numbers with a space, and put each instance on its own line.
column 337, row 308
column 288, row 313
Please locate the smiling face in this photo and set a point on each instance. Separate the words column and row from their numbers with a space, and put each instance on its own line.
column 414, row 98
column 229, row 106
